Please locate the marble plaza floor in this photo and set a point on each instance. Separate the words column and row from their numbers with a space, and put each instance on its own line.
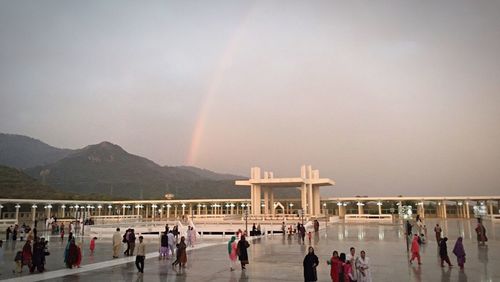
column 279, row 258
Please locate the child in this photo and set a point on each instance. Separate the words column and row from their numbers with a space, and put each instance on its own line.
column 422, row 239
column 79, row 255
column 19, row 262
column 92, row 245
column 309, row 236
column 62, row 234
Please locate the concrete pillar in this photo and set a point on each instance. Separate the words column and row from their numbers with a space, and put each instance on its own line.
column 257, row 200
column 175, row 211
column 303, row 197
column 379, row 208
column 423, row 209
column 361, row 210
column 317, row 201
column 199, row 208
column 63, row 211
column 273, row 212
column 168, row 210
column 310, row 201
column 266, row 200
column 1, row 207
column 147, row 210
column 33, row 214
column 444, row 209
column 490, row 204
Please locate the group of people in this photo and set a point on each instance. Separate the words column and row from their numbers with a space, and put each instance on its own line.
column 458, row 249
column 238, row 249
column 343, row 268
column 32, row 256
column 20, row 232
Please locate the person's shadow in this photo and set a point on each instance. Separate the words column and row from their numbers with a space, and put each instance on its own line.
column 243, row 276
column 462, row 277
column 446, row 274
column 417, row 273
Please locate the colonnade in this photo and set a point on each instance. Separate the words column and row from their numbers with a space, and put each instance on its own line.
column 25, row 210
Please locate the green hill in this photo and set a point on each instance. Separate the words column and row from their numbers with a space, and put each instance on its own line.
column 15, row 184
column 108, row 169
column 22, row 152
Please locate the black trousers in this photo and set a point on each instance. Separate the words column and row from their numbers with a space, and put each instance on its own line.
column 139, row 262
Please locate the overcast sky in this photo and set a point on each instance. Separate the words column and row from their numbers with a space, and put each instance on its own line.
column 385, row 97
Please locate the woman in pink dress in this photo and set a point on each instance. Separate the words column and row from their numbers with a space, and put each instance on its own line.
column 231, row 249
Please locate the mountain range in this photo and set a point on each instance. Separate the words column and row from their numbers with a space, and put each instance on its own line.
column 108, row 170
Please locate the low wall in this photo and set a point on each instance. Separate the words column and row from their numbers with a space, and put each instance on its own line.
column 368, row 218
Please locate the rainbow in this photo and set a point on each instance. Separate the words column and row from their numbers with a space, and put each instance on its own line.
column 213, row 87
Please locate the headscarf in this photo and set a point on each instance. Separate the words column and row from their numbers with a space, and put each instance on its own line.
column 230, row 244
column 458, row 250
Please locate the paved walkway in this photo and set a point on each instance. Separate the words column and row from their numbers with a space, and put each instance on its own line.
column 280, row 258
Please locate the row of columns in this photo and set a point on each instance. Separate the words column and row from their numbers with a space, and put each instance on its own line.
column 463, row 209
column 154, row 211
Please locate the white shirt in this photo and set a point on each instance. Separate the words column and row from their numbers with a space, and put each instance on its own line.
column 354, row 266
column 171, row 239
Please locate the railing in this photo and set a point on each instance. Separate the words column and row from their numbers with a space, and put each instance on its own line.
column 495, row 217
column 7, row 222
column 106, row 219
column 367, row 217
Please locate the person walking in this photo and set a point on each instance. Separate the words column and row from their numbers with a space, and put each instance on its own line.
column 353, row 261
column 242, row 252
column 437, row 231
column 131, row 242
column 141, row 255
column 181, row 254
column 335, row 266
column 310, row 263
column 459, row 251
column 117, row 241
column 415, row 250
column 38, row 254
column 364, row 268
column 171, row 243
column 231, row 249
column 481, row 233
column 188, row 236
column 408, row 228
column 126, row 240
column 71, row 254
column 443, row 252
column 163, row 246
column 18, row 260
column 27, row 254
column 92, row 245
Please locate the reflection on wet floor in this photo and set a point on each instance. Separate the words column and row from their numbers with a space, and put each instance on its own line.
column 280, row 257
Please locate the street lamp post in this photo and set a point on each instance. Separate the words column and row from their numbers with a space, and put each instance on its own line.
column 246, row 222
